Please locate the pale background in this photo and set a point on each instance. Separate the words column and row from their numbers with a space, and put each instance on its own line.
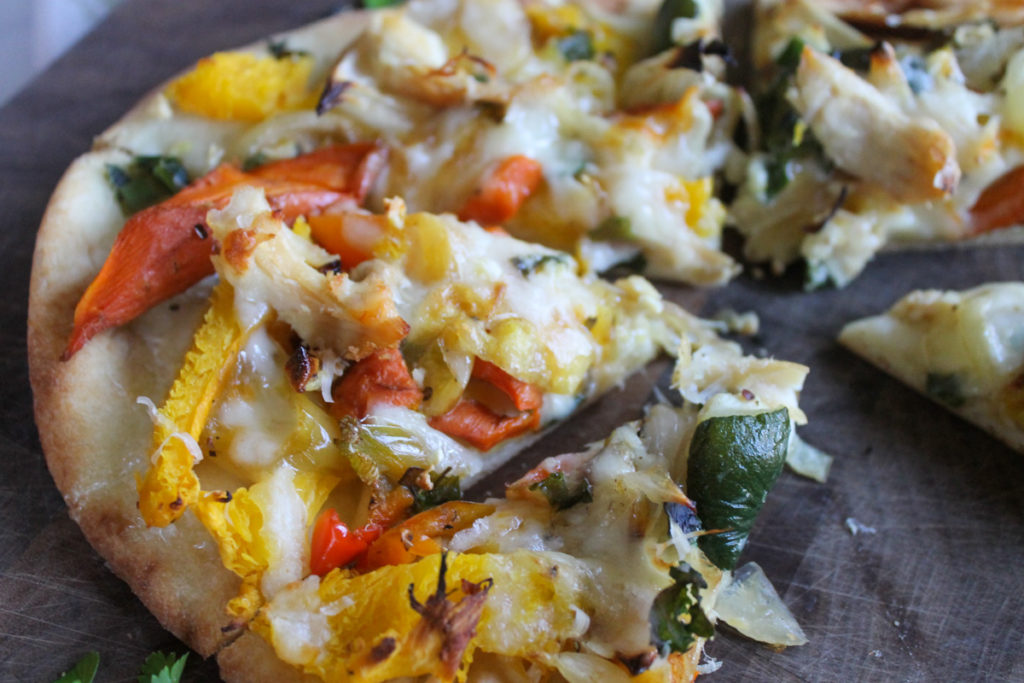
column 35, row 32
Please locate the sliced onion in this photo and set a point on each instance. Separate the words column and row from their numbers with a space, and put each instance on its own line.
column 806, row 460
column 749, row 604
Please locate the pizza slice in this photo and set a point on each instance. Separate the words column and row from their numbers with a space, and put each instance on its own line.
column 964, row 350
column 872, row 138
column 612, row 563
column 366, row 397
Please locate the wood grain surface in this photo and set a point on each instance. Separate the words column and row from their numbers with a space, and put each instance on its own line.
column 936, row 593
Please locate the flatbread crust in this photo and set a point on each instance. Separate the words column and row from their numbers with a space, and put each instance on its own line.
column 94, row 434
column 900, row 342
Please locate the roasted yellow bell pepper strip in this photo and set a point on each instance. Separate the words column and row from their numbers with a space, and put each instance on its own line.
column 171, row 485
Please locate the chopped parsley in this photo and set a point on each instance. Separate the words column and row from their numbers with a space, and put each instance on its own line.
column 556, row 489
column 147, row 180
column 528, row 264
column 677, row 619
column 446, row 488
column 84, row 670
column 577, row 46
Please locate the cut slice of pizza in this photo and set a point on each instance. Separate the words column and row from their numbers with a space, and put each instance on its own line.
column 459, row 344
column 609, row 564
column 364, row 397
column 964, row 350
column 868, row 141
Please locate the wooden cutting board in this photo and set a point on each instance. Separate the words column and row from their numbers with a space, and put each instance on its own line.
column 936, row 592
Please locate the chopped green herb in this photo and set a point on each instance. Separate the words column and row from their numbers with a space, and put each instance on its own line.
column 677, row 619
column 734, row 461
column 146, row 181
column 669, row 11
column 577, row 46
column 613, row 228
column 481, row 78
column 556, row 489
column 378, row 4
column 280, row 50
column 916, row 70
column 789, row 58
column 528, row 264
column 446, row 488
column 161, row 668
column 84, row 670
column 779, row 174
column 945, row 388
column 254, row 161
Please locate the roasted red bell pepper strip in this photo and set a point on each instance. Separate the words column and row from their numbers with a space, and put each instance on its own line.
column 501, row 195
column 335, row 545
column 165, row 249
column 1000, row 205
column 382, row 377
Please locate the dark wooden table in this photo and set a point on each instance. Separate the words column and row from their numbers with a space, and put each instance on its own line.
column 936, row 593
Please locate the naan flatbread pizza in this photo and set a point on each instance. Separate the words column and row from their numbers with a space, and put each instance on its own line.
column 305, row 294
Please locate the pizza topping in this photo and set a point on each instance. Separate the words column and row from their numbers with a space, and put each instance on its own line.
column 479, row 426
column 443, row 488
column 749, row 603
column 1001, row 205
column 354, row 318
column 556, row 490
column 335, row 545
column 243, row 87
column 677, row 618
column 664, row 22
column 418, row 536
column 330, row 628
column 857, row 126
column 171, row 484
column 381, row 377
column 504, row 191
column 160, row 253
column 146, row 181
column 733, row 463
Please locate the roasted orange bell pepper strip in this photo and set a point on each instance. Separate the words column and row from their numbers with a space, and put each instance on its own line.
column 484, row 428
column 524, row 396
column 165, row 249
column 417, row 536
column 501, row 195
column 350, row 169
column 382, row 377
column 481, row 427
column 1001, row 205
column 352, row 236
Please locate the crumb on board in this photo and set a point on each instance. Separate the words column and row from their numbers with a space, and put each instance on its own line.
column 856, row 527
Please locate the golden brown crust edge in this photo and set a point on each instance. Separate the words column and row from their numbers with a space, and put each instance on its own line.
column 77, row 403
column 176, row 571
